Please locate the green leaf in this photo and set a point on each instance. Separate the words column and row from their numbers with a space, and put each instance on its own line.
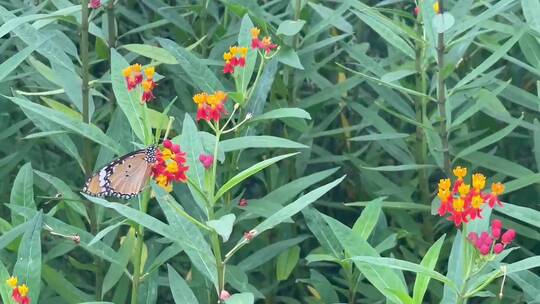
column 380, row 277
column 71, row 199
column 89, row 131
column 455, row 269
column 179, row 288
column 380, row 24
column 261, row 141
column 265, row 254
column 326, row 237
column 488, row 140
column 14, row 61
column 289, row 57
column 105, row 231
column 129, row 101
column 531, row 9
column 527, row 215
column 116, row 271
column 395, row 205
column 191, row 243
column 238, row 178
column 290, row 27
column 199, row 73
column 282, row 113
column 525, row 264
column 381, row 136
column 490, row 61
column 366, row 222
column 241, row 298
column 28, row 266
column 188, row 235
column 429, row 261
column 152, row 52
column 67, row 291
column 403, row 265
column 223, row 226
column 399, row 167
column 5, row 290
column 22, row 192
column 296, row 206
column 286, row 262
column 245, row 74
column 443, row 22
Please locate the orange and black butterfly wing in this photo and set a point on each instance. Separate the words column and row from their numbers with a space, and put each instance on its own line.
column 125, row 177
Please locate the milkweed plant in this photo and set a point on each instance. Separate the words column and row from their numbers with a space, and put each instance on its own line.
column 252, row 108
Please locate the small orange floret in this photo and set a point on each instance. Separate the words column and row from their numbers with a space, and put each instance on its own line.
column 497, row 188
column 464, row 189
column 127, row 71
column 227, row 56
column 23, row 290
column 137, row 67
column 477, row 202
column 200, row 98
column 444, row 184
column 243, row 52
column 436, row 7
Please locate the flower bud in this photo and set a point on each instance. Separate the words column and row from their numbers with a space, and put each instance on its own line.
column 508, row 236
column 224, row 295
column 496, row 224
column 498, row 248
column 484, row 249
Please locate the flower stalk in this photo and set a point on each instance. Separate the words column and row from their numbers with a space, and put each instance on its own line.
column 87, row 150
column 137, row 262
column 441, row 97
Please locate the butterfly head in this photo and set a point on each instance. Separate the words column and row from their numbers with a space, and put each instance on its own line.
column 151, row 152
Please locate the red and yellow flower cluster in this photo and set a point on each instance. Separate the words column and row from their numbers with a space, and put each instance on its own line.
column 463, row 201
column 264, row 44
column 134, row 77
column 235, row 57
column 170, row 165
column 485, row 242
column 20, row 292
column 210, row 106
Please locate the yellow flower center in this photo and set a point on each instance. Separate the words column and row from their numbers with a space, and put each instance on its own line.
column 460, row 172
column 464, row 189
column 243, row 52
column 167, row 154
column 172, row 167
column 497, row 188
column 255, row 32
column 147, row 85
column 458, row 204
column 127, row 71
column 444, row 184
column 23, row 290
column 478, row 181
column 149, row 72
column 12, row 282
column 200, row 98
column 436, row 7
column 234, row 50
column 227, row 56
column 477, row 201
column 443, row 194
column 137, row 67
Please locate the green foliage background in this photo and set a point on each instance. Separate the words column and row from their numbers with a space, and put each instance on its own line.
column 359, row 80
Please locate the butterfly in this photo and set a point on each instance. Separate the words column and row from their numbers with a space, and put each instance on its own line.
column 124, row 177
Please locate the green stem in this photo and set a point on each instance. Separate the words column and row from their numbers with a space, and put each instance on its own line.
column 441, row 98
column 214, row 237
column 257, row 77
column 87, row 145
column 138, row 250
column 112, row 38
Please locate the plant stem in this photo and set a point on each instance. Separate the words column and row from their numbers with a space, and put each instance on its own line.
column 214, row 237
column 441, row 98
column 87, row 149
column 138, row 250
column 420, row 109
column 111, row 24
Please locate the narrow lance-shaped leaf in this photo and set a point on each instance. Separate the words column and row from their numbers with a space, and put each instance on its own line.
column 28, row 266
column 179, row 288
column 22, row 192
column 429, row 261
column 238, row 178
